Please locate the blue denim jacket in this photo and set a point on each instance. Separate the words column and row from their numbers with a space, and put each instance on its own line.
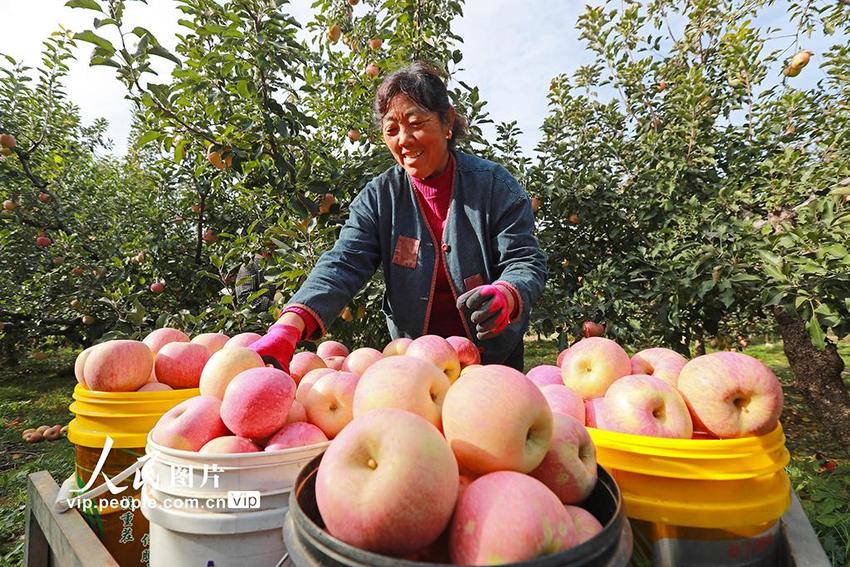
column 488, row 238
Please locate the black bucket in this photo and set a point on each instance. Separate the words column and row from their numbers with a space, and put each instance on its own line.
column 308, row 545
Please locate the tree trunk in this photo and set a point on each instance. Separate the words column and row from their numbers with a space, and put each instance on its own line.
column 817, row 374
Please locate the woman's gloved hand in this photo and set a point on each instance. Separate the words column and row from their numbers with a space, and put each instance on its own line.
column 277, row 345
column 489, row 307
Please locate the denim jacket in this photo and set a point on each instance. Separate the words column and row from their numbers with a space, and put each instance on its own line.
column 488, row 238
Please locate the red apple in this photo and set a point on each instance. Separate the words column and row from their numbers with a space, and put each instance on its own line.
column 662, row 363
column 437, row 351
column 307, row 382
column 180, row 364
column 402, row 382
column 213, row 341
column 375, row 43
column 223, row 366
column 467, row 352
column 157, row 287
column 243, row 340
column 229, row 444
column 43, row 241
column 645, row 405
column 388, row 483
column 79, row 364
column 397, row 346
column 594, row 413
column 297, row 412
column 587, row 526
column 155, row 387
column 257, row 401
column 326, row 349
column 118, row 366
column 298, row 434
column 569, row 468
column 563, row 400
column 731, row 394
column 373, row 70
column 330, row 401
column 43, row 197
column 592, row 329
column 354, row 134
column 508, row 517
column 304, row 362
column 545, row 374
column 494, row 419
column 360, row 359
column 561, row 356
column 190, row 425
column 591, row 365
column 158, row 338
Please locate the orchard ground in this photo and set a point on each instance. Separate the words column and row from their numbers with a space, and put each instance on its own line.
column 39, row 392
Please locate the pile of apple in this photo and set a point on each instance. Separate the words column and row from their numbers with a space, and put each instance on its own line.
column 659, row 393
column 166, row 359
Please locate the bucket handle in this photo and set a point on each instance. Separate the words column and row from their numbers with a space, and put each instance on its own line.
column 283, row 560
column 63, row 497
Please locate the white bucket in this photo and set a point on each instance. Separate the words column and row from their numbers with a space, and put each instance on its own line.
column 219, row 509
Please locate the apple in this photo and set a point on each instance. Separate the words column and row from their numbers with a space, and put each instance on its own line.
column 373, row 70
column 397, row 346
column 334, row 362
column 243, row 340
column 118, row 366
column 223, row 366
column 535, row 204
column 437, row 351
column 508, row 517
column 297, row 412
column 58, row 260
column 43, row 197
column 402, row 382
column 9, row 205
column 79, row 364
column 467, row 351
column 155, row 387
column 334, row 33
column 197, row 208
column 592, row 329
column 569, row 468
column 157, row 287
column 591, row 365
column 563, row 400
column 731, row 394
column 594, row 413
column 213, row 341
column 158, row 338
column 645, row 405
column 388, row 483
column 494, row 418
column 586, row 523
column 87, row 320
column 354, row 134
column 376, row 43
column 304, row 362
column 229, row 444
column 360, row 359
column 256, row 402
column 327, row 349
column 210, row 237
column 307, row 382
column 662, row 363
column 215, row 157
column 77, row 271
column 191, row 424
column 330, row 401
column 328, row 199
column 573, row 218
column 8, row 141
column 560, row 358
column 545, row 374
column 180, row 364
column 298, row 434
column 43, row 241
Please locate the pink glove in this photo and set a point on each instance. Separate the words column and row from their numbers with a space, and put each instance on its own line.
column 277, row 345
column 489, row 307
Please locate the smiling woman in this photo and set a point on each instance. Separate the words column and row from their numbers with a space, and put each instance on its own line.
column 452, row 232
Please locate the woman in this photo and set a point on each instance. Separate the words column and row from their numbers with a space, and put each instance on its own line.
column 452, row 232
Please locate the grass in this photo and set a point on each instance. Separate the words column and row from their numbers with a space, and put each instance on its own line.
column 39, row 392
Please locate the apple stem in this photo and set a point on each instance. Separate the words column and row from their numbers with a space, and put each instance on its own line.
column 372, row 464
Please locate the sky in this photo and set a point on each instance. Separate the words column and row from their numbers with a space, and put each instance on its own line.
column 511, row 52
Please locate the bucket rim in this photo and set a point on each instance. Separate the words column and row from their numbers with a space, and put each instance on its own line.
column 306, row 451
column 81, row 393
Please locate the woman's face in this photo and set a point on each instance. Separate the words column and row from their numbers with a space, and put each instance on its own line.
column 418, row 139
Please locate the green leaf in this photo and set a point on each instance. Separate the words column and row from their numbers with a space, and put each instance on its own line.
column 160, row 51
column 148, row 137
column 85, row 4
column 815, row 332
column 91, row 37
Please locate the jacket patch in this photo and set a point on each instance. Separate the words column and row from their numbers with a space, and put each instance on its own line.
column 472, row 282
column 406, row 252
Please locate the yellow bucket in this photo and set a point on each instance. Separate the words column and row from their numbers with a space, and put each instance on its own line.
column 701, row 502
column 126, row 417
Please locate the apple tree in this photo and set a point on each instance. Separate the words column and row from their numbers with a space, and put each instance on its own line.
column 693, row 177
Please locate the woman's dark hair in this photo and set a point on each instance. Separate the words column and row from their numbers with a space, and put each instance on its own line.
column 424, row 85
